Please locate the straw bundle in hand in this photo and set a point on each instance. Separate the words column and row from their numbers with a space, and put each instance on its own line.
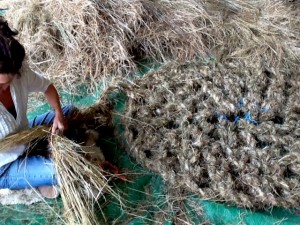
column 77, row 178
column 81, row 183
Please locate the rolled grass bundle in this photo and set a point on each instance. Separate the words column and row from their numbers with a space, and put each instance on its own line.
column 81, row 183
column 76, row 42
column 227, row 132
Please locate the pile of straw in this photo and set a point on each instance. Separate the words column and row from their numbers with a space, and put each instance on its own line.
column 227, row 132
column 260, row 31
column 85, row 41
column 81, row 183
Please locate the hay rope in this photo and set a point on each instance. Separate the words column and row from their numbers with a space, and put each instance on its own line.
column 229, row 132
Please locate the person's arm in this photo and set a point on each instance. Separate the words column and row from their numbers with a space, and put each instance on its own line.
column 53, row 99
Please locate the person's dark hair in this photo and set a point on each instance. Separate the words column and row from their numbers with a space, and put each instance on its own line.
column 12, row 53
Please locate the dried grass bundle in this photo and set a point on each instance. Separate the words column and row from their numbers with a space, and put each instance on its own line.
column 172, row 28
column 81, row 41
column 81, row 183
column 24, row 137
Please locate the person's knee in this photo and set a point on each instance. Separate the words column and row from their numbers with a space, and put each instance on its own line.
column 68, row 109
column 4, row 182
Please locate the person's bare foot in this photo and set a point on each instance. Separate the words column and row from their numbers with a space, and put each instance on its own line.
column 48, row 191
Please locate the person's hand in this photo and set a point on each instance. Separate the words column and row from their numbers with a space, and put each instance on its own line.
column 59, row 123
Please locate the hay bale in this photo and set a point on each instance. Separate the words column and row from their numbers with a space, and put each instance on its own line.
column 227, row 132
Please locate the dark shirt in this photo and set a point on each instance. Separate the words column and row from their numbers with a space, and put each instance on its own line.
column 12, row 111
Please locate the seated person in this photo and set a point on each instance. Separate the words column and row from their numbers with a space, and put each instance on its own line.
column 17, row 169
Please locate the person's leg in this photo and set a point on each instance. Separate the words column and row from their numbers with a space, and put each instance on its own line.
column 48, row 117
column 26, row 172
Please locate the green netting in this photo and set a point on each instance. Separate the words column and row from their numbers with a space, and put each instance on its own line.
column 145, row 195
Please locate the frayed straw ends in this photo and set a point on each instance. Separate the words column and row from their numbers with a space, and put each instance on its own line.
column 81, row 183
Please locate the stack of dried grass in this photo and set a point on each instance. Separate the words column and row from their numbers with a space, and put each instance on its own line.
column 77, row 42
column 86, row 41
column 260, row 31
column 228, row 132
